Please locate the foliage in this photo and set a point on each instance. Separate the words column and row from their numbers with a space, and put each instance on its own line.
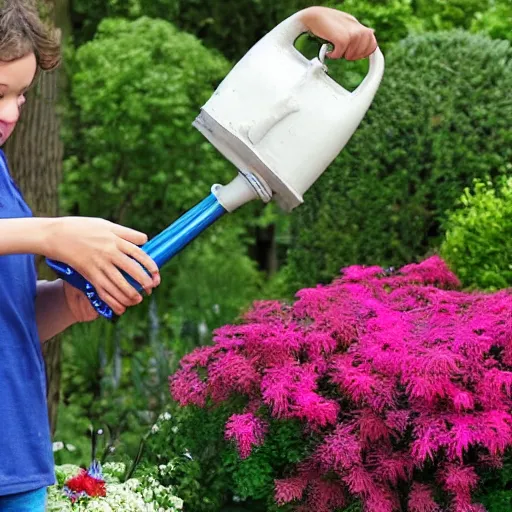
column 133, row 495
column 233, row 27
column 225, row 280
column 182, row 438
column 394, row 19
column 442, row 15
column 401, row 383
column 496, row 21
column 492, row 17
column 113, row 378
column 138, row 86
column 208, row 474
column 86, row 15
column 230, row 26
column 497, row 488
column 440, row 118
column 478, row 241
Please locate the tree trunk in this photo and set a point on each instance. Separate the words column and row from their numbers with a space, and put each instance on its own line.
column 35, row 153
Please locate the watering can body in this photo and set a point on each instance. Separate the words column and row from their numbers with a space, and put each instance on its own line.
column 281, row 116
column 281, row 120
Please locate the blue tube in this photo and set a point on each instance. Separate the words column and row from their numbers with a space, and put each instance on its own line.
column 161, row 248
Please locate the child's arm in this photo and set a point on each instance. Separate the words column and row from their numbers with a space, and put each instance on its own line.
column 350, row 38
column 94, row 247
column 58, row 306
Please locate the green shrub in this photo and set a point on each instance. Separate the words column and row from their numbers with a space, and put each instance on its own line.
column 496, row 494
column 197, row 442
column 441, row 118
column 207, row 471
column 478, row 241
column 496, row 21
column 137, row 88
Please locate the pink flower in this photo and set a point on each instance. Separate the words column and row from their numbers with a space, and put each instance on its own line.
column 229, row 374
column 391, row 375
column 187, row 388
column 247, row 431
column 289, row 489
column 421, row 499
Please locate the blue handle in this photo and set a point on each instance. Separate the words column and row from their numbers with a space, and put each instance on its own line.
column 161, row 249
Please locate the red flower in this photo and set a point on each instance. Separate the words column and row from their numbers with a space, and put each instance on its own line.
column 83, row 482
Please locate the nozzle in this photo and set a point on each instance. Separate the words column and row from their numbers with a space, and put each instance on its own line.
column 244, row 188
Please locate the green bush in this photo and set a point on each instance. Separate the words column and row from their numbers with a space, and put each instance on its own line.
column 441, row 118
column 496, row 21
column 196, row 442
column 478, row 241
column 208, row 473
column 496, row 488
column 137, row 88
column 215, row 279
column 443, row 15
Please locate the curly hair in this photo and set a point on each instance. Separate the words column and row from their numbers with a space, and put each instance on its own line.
column 22, row 32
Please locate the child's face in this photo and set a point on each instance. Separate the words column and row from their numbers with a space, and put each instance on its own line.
column 15, row 78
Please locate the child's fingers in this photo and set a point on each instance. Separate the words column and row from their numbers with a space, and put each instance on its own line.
column 340, row 47
column 361, row 45
column 116, row 285
column 144, row 259
column 113, row 303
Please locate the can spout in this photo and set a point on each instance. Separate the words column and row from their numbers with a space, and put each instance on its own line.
column 243, row 189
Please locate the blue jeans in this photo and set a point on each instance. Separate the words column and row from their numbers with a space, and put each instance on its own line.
column 31, row 501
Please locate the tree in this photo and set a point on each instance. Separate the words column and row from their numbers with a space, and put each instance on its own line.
column 35, row 153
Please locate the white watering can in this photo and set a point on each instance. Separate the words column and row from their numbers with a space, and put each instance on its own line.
column 281, row 120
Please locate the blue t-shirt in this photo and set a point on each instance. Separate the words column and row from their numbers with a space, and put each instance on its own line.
column 26, row 458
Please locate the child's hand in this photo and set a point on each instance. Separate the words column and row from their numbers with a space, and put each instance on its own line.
column 99, row 249
column 350, row 39
column 79, row 306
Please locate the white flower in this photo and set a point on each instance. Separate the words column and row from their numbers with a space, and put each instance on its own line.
column 164, row 416
column 132, row 484
column 69, row 470
column 155, row 428
column 57, row 446
column 98, row 506
column 175, row 429
column 147, row 494
column 70, row 447
column 114, row 468
column 176, row 502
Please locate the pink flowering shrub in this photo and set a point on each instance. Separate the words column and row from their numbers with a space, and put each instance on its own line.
column 402, row 384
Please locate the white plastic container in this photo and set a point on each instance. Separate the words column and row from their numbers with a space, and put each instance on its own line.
column 281, row 119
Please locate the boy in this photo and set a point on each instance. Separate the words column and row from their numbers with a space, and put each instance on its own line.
column 32, row 311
